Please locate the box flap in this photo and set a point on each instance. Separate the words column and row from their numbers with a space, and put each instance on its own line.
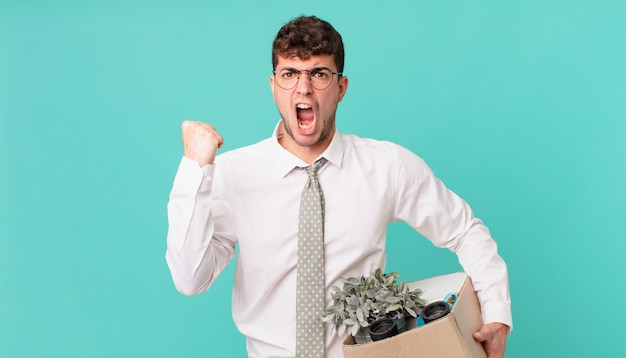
column 469, row 318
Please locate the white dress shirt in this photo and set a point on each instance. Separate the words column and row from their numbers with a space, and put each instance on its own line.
column 251, row 196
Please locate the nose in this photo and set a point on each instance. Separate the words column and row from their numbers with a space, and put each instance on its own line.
column 304, row 85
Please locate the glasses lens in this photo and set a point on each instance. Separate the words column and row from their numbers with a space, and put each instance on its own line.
column 321, row 78
column 287, row 78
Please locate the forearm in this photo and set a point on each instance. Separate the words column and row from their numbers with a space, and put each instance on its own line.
column 196, row 255
column 478, row 254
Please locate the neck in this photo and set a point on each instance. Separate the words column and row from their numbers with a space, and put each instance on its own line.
column 307, row 153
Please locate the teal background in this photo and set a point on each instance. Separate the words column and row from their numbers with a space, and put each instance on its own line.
column 519, row 107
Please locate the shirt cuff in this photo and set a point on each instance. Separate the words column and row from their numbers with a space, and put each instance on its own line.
column 500, row 312
column 191, row 175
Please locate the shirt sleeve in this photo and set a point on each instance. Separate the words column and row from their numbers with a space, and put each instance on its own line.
column 196, row 254
column 424, row 202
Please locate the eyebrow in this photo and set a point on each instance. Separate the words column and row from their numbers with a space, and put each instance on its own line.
column 293, row 69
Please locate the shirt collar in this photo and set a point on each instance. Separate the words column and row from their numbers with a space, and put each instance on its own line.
column 287, row 161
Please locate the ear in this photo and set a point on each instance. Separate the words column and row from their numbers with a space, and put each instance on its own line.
column 272, row 86
column 343, row 86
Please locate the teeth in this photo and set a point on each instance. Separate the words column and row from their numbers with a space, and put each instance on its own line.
column 302, row 106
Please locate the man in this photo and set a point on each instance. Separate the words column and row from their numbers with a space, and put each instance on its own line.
column 251, row 196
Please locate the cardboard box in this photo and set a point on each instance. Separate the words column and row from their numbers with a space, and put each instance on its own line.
column 449, row 336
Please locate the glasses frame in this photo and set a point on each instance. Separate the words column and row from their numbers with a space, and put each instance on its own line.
column 298, row 72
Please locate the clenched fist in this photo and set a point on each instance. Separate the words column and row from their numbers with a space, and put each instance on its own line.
column 200, row 142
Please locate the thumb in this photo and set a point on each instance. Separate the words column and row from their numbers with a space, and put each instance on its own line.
column 479, row 336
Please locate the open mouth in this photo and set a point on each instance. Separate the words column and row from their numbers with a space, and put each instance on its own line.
column 306, row 116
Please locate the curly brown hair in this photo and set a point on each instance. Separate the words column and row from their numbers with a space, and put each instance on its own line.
column 307, row 36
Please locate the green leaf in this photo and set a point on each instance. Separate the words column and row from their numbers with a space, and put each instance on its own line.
column 353, row 281
column 349, row 322
column 410, row 311
column 355, row 330
column 328, row 318
column 342, row 329
column 359, row 314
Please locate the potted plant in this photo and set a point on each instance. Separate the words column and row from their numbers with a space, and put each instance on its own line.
column 365, row 299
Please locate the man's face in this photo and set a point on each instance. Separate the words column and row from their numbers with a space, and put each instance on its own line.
column 308, row 114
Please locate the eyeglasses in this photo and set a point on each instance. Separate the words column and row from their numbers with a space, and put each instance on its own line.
column 319, row 77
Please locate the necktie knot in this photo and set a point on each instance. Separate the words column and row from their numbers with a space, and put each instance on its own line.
column 312, row 169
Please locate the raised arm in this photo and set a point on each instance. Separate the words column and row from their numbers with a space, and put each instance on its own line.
column 197, row 247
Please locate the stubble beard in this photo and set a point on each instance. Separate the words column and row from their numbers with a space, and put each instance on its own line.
column 327, row 131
